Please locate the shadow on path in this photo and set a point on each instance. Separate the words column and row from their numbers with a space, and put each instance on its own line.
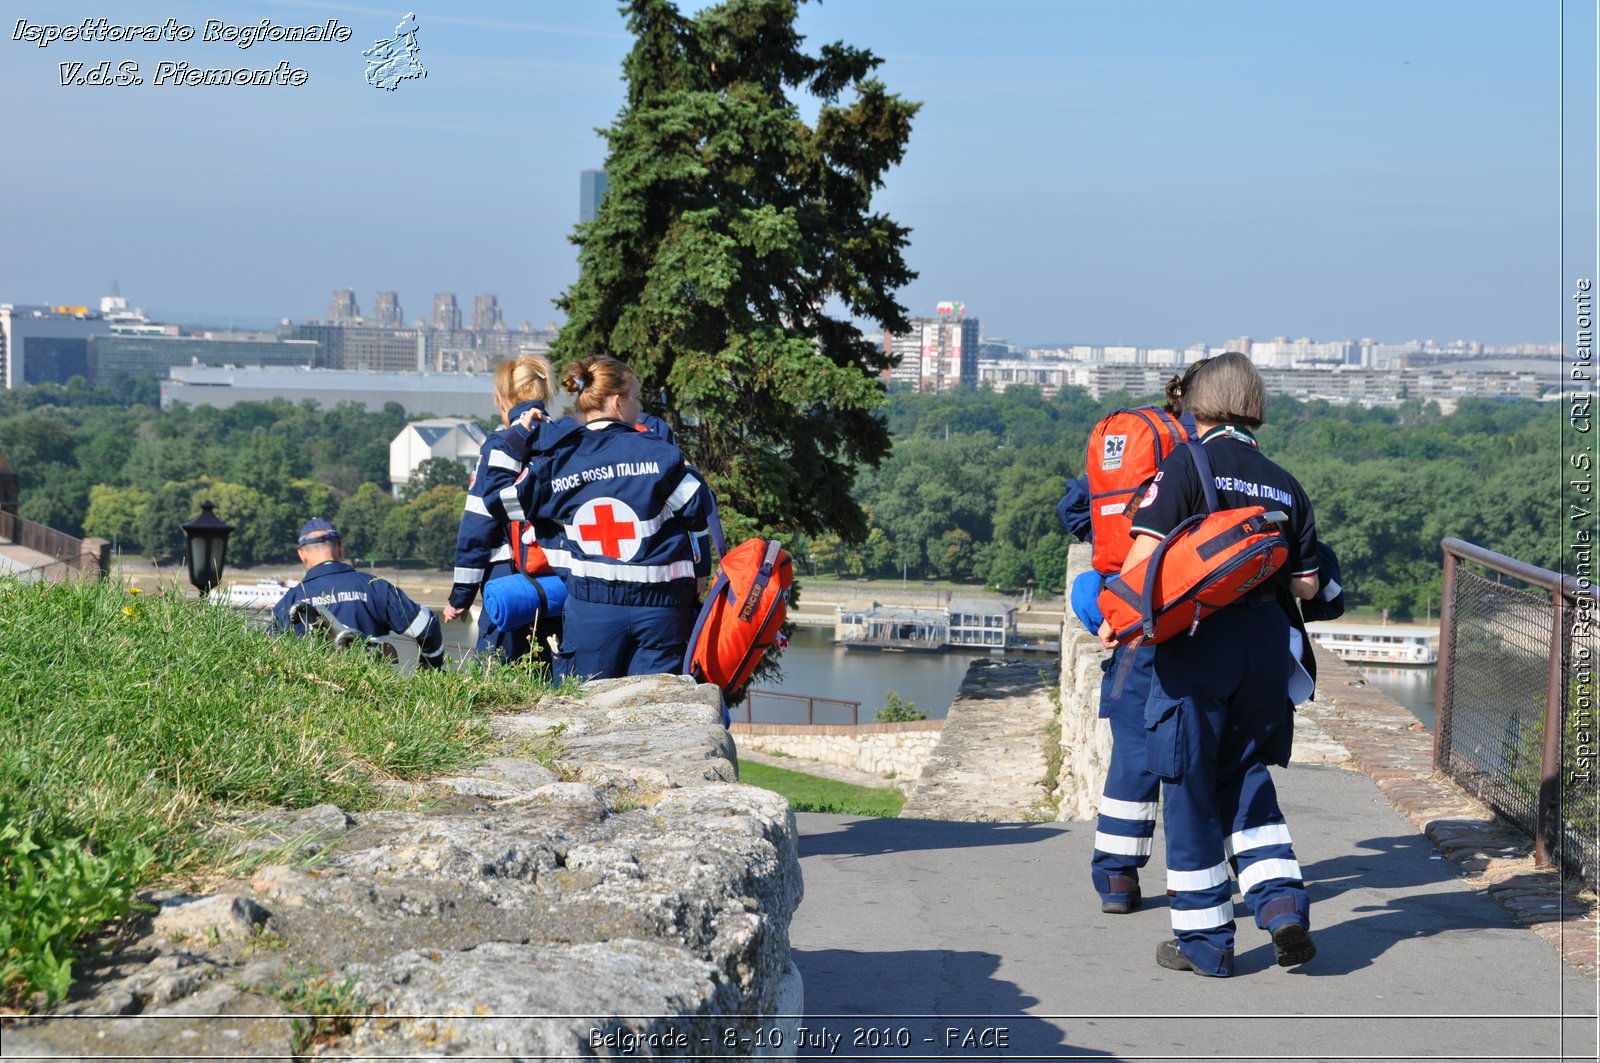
column 875, row 837
column 920, row 1003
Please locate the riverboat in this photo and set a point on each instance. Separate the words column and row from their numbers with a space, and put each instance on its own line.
column 1403, row 644
column 262, row 594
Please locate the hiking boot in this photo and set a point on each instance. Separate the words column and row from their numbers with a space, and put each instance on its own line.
column 1129, row 904
column 1292, row 943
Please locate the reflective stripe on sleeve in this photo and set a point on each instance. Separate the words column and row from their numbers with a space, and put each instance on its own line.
column 501, row 460
column 502, row 553
column 513, row 504
column 1197, row 880
column 420, row 624
column 1121, row 844
column 1134, row 810
column 685, row 491
column 1257, row 837
column 1264, row 870
column 1204, row 918
column 467, row 575
column 475, row 506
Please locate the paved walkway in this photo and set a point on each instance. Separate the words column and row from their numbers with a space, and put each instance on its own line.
column 1437, row 939
column 912, row 928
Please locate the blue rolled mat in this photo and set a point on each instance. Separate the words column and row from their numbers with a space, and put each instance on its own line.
column 512, row 601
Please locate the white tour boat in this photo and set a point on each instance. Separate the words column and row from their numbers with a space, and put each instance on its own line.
column 1378, row 643
column 262, row 594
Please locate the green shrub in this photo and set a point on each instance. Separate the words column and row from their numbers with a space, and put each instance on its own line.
column 896, row 710
column 55, row 889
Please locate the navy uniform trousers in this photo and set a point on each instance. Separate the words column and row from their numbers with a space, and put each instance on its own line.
column 1218, row 714
column 607, row 639
column 1128, row 807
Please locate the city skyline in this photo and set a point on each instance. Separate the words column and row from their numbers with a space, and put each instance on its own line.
column 1076, row 174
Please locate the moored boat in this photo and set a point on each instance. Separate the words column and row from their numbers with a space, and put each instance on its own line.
column 1414, row 644
column 262, row 594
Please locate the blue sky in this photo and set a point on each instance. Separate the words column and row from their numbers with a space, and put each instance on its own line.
column 1143, row 173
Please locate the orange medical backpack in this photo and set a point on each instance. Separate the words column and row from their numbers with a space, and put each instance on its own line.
column 743, row 614
column 1124, row 450
column 1210, row 560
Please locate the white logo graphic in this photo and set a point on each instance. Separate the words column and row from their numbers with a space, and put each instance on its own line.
column 608, row 527
column 394, row 60
column 1111, row 456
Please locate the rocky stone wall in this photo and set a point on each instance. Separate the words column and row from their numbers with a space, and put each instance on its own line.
column 1085, row 738
column 896, row 751
column 989, row 765
column 615, row 888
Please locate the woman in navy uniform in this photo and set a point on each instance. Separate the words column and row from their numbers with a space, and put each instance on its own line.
column 1218, row 711
column 373, row 606
column 618, row 512
column 483, row 546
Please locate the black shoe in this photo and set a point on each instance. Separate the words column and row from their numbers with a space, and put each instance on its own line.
column 1168, row 956
column 1123, row 907
column 1171, row 957
column 1292, row 943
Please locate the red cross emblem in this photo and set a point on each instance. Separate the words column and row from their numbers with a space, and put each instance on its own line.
column 607, row 526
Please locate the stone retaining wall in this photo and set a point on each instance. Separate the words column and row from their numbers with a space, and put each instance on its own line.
column 617, row 886
column 897, row 751
column 989, row 765
column 1085, row 738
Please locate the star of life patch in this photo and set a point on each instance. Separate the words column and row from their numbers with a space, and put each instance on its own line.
column 1111, row 452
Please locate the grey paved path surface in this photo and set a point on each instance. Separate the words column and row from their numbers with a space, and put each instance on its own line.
column 993, row 926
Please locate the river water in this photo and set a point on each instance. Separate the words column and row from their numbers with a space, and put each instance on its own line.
column 814, row 667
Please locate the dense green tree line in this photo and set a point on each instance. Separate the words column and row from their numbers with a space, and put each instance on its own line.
column 970, row 489
column 109, row 462
column 968, row 492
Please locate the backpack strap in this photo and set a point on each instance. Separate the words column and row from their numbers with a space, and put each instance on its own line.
column 1152, row 569
column 1202, row 467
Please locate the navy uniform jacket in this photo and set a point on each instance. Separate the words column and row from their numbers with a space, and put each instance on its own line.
column 1244, row 477
column 373, row 606
column 508, row 478
column 481, row 539
column 621, row 508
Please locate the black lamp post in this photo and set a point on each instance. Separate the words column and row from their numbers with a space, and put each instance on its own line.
column 205, row 542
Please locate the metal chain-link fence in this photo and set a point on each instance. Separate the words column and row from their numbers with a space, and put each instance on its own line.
column 1499, row 643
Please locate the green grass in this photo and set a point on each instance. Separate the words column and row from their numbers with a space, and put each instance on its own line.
column 809, row 793
column 131, row 722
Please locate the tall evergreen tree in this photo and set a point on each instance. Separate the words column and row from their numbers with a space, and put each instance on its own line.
column 736, row 246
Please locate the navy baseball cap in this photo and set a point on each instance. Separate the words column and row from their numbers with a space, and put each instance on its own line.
column 317, row 530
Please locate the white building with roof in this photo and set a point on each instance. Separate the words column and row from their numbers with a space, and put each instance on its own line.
column 440, row 437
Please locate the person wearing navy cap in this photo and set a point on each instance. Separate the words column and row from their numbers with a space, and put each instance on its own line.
column 368, row 604
column 1219, row 709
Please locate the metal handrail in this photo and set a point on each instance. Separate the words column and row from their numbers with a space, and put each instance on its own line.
column 1564, row 590
column 811, row 705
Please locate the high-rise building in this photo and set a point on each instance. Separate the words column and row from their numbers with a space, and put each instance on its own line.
column 446, row 314
column 344, row 306
column 591, row 187
column 45, row 344
column 939, row 354
column 386, row 311
column 365, row 347
column 485, row 313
